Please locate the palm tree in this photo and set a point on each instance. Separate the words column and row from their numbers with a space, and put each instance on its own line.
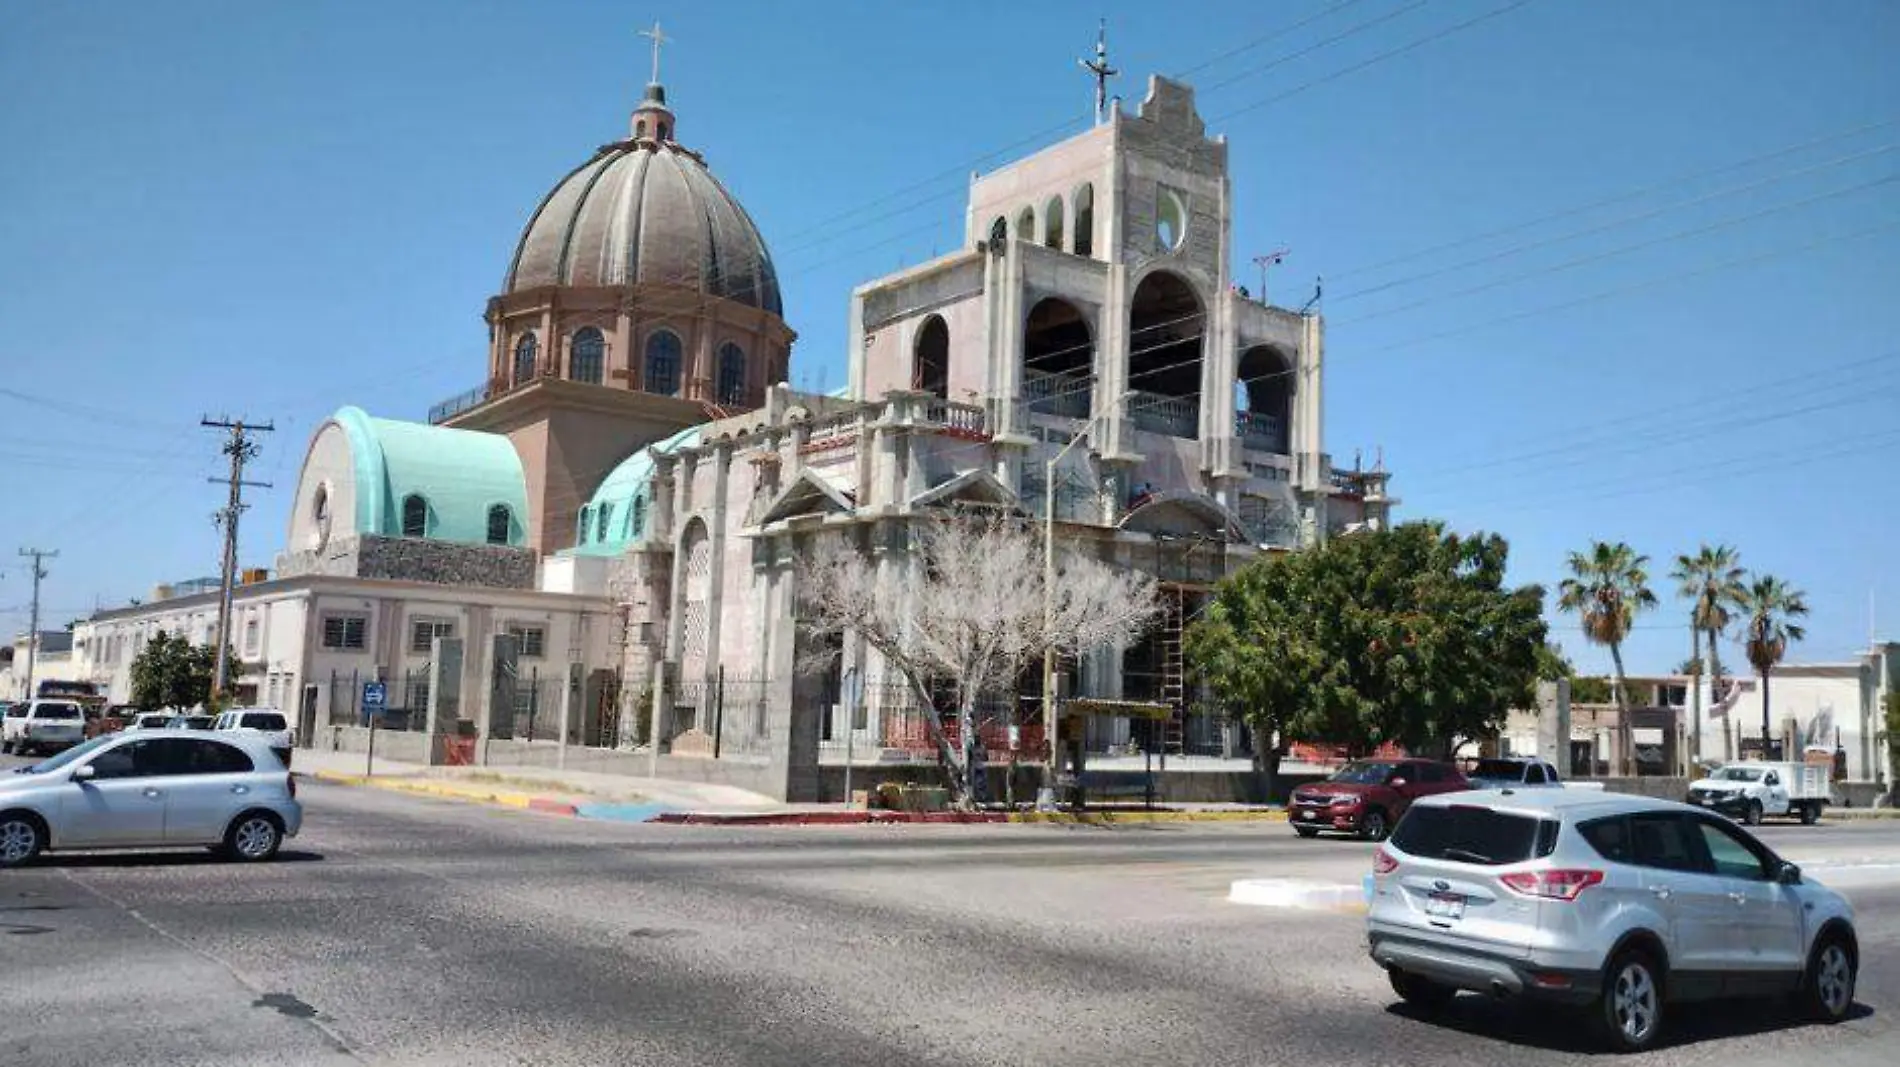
column 1607, row 587
column 1771, row 606
column 1711, row 581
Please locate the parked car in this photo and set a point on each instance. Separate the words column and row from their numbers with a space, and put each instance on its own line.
column 1369, row 797
column 1750, row 790
column 267, row 723
column 41, row 726
column 151, row 789
column 191, row 722
column 151, row 720
column 1623, row 904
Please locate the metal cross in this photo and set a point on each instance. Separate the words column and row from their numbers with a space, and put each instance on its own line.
column 1102, row 72
column 658, row 40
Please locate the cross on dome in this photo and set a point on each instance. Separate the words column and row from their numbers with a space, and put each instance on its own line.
column 659, row 38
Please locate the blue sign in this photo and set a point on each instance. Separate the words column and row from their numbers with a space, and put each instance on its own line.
column 375, row 697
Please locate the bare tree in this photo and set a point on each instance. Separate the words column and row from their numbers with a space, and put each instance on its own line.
column 966, row 607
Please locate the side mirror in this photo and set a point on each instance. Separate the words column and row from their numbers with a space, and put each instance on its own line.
column 84, row 773
column 1788, row 874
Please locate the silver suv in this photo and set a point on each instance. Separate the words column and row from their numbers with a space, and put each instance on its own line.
column 1621, row 904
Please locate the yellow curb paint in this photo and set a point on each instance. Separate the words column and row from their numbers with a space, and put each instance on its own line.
column 1106, row 817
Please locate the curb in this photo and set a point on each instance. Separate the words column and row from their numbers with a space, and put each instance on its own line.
column 1299, row 894
column 861, row 818
column 445, row 791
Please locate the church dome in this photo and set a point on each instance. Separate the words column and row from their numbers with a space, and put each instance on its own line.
column 646, row 211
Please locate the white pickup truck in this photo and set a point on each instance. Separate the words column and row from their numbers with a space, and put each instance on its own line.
column 1518, row 772
column 1752, row 789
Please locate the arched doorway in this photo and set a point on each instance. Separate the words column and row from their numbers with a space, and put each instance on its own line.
column 1263, row 399
column 1165, row 328
column 930, row 362
column 1058, row 359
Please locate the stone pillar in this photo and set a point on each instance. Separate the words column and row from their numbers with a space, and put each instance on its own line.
column 660, row 716
column 496, row 719
column 716, row 542
column 445, row 695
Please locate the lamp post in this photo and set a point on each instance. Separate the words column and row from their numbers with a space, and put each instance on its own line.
column 1046, row 795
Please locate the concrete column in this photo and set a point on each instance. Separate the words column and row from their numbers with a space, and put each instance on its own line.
column 716, row 526
column 699, row 382
column 1308, row 429
column 621, row 356
column 662, row 503
column 550, row 344
column 854, row 345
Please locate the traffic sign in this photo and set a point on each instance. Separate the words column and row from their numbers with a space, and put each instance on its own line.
column 375, row 696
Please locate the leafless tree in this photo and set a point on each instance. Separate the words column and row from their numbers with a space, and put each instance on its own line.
column 966, row 607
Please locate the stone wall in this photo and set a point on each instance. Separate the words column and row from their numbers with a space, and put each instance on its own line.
column 415, row 559
column 401, row 745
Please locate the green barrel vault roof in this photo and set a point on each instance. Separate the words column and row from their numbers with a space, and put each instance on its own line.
column 460, row 473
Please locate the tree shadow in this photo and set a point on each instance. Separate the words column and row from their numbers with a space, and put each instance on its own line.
column 195, row 858
column 1557, row 1029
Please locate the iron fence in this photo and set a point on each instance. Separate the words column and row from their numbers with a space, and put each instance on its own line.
column 726, row 716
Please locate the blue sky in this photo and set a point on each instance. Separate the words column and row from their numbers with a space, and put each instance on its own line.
column 276, row 209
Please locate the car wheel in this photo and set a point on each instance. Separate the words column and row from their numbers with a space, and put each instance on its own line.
column 1306, row 831
column 253, row 837
column 21, row 838
column 1752, row 814
column 1421, row 992
column 1828, row 990
column 1810, row 814
column 1373, row 826
column 1631, row 1009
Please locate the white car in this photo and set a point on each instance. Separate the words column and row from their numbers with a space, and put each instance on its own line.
column 1621, row 904
column 41, row 725
column 266, row 723
column 151, row 720
column 151, row 789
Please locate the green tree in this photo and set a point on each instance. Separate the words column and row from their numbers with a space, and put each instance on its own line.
column 1405, row 635
column 1607, row 586
column 1590, row 689
column 1770, row 606
column 1711, row 581
column 1893, row 745
column 171, row 672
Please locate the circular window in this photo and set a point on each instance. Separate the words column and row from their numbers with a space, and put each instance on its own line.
column 1170, row 221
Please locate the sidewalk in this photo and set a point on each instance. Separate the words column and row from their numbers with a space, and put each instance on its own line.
column 620, row 798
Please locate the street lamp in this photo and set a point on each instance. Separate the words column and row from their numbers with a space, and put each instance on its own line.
column 1046, row 794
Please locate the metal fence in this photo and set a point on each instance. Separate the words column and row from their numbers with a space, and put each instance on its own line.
column 726, row 714
column 893, row 717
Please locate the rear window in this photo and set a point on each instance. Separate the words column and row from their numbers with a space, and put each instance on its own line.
column 1498, row 768
column 56, row 711
column 1465, row 834
column 263, row 720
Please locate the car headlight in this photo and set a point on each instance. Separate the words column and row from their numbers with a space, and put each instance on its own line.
column 1345, row 802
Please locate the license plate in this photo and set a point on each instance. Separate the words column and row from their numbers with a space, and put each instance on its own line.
column 1445, row 906
column 1309, row 815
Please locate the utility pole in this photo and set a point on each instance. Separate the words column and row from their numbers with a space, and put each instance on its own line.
column 1271, row 259
column 242, row 450
column 38, row 556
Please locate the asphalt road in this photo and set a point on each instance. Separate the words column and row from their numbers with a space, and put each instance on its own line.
column 405, row 930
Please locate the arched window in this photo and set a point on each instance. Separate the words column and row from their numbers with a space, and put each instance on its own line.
column 1026, row 225
column 499, row 520
column 1085, row 220
column 584, row 360
column 931, row 373
column 640, row 129
column 731, row 374
column 524, row 359
column 999, row 230
column 663, row 363
column 637, row 517
column 665, row 131
column 586, row 525
column 415, row 516
column 601, row 520
column 1052, row 223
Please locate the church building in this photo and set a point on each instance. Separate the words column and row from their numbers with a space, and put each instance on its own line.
column 591, row 554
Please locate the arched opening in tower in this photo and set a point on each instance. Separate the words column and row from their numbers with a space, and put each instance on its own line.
column 1058, row 359
column 930, row 366
column 1263, row 399
column 1165, row 328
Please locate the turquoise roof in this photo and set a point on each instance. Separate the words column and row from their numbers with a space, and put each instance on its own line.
column 623, row 497
column 459, row 474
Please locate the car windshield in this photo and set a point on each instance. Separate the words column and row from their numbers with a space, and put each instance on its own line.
column 1466, row 834
column 1738, row 774
column 56, row 711
column 68, row 757
column 1364, row 773
column 263, row 720
column 1498, row 768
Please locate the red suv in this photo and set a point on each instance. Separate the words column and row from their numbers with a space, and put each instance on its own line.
column 1367, row 798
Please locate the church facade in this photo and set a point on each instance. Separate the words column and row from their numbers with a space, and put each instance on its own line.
column 629, row 488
